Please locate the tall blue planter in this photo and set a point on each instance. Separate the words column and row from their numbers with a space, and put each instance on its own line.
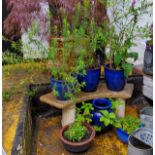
column 100, row 104
column 91, row 80
column 60, row 87
column 115, row 79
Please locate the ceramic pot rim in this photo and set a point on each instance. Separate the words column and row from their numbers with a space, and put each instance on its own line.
column 64, row 140
column 107, row 101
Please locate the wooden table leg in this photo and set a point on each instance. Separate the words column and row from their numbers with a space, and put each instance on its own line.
column 68, row 115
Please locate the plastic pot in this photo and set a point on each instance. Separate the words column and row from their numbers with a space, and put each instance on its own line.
column 115, row 79
column 122, row 135
column 77, row 147
column 91, row 80
column 100, row 104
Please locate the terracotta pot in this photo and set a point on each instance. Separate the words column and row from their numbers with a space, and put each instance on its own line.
column 77, row 147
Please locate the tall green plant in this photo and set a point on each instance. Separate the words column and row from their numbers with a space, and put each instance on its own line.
column 123, row 30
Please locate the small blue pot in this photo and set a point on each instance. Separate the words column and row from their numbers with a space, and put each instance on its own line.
column 115, row 79
column 100, row 104
column 122, row 135
column 91, row 80
column 60, row 87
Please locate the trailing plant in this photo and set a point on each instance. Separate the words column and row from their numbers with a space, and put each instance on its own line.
column 108, row 118
column 124, row 28
column 76, row 132
column 129, row 124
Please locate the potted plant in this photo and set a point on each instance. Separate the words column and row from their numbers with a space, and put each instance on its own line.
column 127, row 125
column 77, row 137
column 88, row 43
column 64, row 64
column 120, row 38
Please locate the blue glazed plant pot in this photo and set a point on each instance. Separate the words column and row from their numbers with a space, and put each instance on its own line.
column 91, row 80
column 61, row 88
column 122, row 135
column 100, row 104
column 115, row 79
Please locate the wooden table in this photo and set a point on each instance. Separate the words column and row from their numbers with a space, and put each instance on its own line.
column 69, row 108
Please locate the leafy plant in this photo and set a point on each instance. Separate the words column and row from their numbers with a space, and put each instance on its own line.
column 84, row 113
column 32, row 92
column 10, row 58
column 124, row 28
column 87, row 34
column 109, row 118
column 129, row 124
column 116, row 103
column 75, row 132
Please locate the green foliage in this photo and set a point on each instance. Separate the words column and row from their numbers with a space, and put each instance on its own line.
column 32, row 92
column 129, row 124
column 6, row 95
column 83, row 113
column 116, row 102
column 10, row 58
column 76, row 132
column 125, row 18
column 97, row 128
column 109, row 118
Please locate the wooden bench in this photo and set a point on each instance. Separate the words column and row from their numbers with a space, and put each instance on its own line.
column 69, row 108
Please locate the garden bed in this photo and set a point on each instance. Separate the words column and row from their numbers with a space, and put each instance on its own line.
column 39, row 127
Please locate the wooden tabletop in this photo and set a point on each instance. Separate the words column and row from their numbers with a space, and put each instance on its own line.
column 101, row 92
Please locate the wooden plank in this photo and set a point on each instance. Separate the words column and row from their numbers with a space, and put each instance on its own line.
column 101, row 92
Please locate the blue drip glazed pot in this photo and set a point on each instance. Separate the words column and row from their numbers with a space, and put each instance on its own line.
column 100, row 104
column 115, row 79
column 122, row 135
column 60, row 87
column 91, row 80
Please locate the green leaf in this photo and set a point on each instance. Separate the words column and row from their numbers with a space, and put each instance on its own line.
column 112, row 115
column 117, row 59
column 133, row 55
column 106, row 122
column 127, row 69
column 105, row 113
